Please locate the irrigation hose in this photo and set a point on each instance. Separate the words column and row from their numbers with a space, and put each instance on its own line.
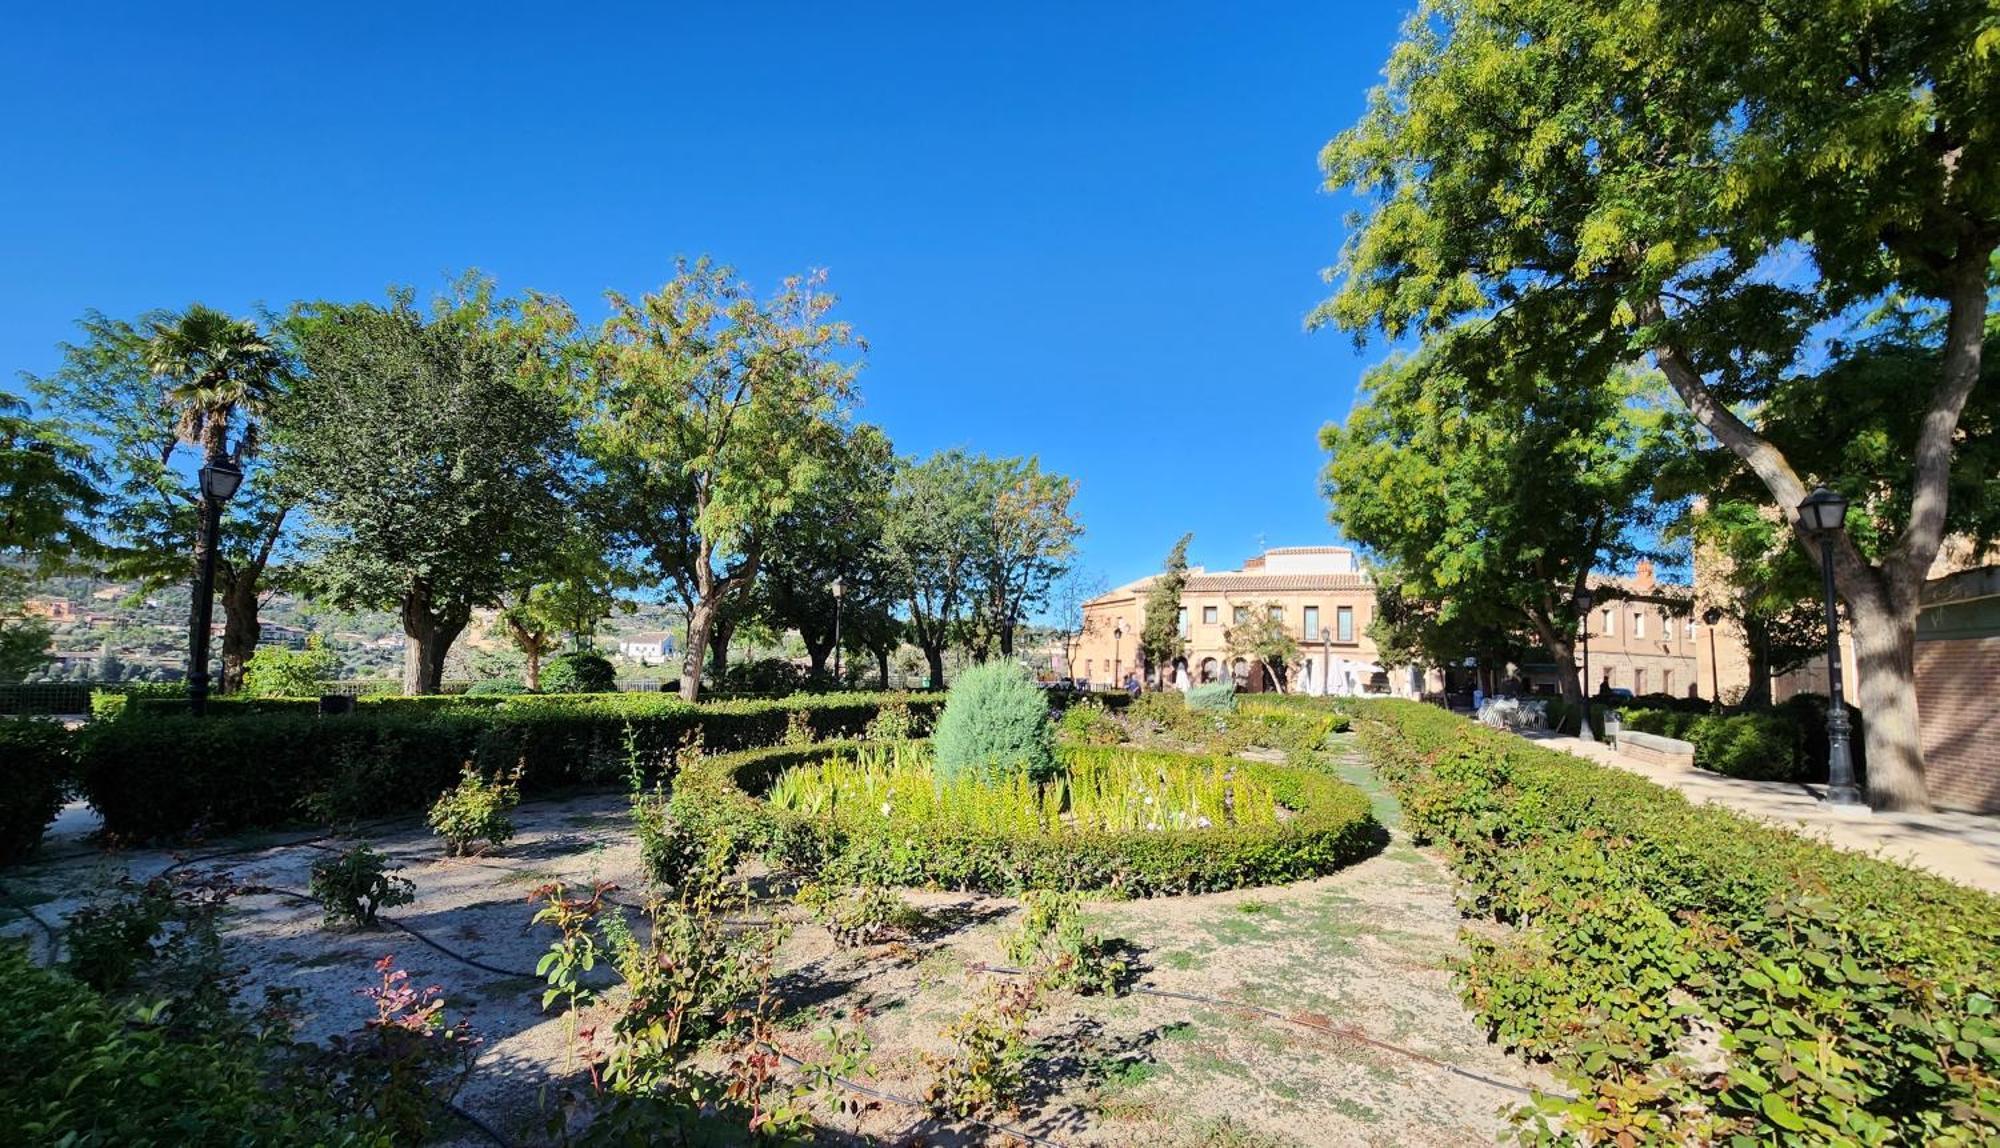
column 907, row 1102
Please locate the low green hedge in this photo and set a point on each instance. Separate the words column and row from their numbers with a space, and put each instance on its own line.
column 35, row 773
column 1786, row 742
column 156, row 775
column 1853, row 1000
column 1332, row 827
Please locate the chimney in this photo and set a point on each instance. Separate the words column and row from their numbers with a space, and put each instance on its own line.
column 1643, row 580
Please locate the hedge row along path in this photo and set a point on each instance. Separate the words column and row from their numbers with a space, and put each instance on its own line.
column 1363, row 949
column 1962, row 847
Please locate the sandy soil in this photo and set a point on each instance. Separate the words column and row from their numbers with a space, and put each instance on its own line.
column 1365, row 949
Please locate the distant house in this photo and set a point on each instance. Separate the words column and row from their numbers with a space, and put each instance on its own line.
column 54, row 609
column 110, row 593
column 654, row 646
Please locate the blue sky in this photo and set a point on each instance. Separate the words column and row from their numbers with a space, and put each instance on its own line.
column 1088, row 232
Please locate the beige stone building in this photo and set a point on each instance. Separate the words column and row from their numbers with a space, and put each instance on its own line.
column 1644, row 636
column 1321, row 593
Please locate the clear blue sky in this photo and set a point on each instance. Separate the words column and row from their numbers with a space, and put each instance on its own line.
column 1085, row 231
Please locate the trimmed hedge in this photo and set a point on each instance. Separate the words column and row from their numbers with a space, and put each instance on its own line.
column 35, row 770
column 1786, row 742
column 1852, row 1000
column 155, row 775
column 1332, row 827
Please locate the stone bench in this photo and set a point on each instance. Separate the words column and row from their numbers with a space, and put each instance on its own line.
column 1653, row 749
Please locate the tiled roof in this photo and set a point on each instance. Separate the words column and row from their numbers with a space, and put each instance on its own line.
column 1260, row 583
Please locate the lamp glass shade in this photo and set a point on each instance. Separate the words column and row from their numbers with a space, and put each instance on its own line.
column 219, row 480
column 837, row 588
column 1823, row 510
column 1711, row 616
column 1584, row 598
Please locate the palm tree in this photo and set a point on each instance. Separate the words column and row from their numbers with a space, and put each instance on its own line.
column 216, row 365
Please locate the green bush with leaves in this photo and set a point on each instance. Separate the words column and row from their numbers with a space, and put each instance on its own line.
column 1215, row 696
column 473, row 815
column 35, row 768
column 495, row 688
column 1065, row 955
column 995, row 723
column 1851, row 999
column 1088, row 722
column 579, row 672
column 353, row 886
column 277, row 672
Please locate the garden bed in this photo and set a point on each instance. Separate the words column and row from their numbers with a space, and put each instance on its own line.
column 1088, row 829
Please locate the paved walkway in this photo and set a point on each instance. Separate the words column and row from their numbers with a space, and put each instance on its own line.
column 1964, row 847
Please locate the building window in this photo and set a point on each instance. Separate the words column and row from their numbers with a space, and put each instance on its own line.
column 1687, row 629
column 1277, row 613
column 1638, row 681
column 1310, row 624
column 1208, row 615
column 1667, row 682
column 1638, row 624
column 1239, row 615
column 1087, row 663
column 1184, row 621
column 1343, row 623
column 1610, row 623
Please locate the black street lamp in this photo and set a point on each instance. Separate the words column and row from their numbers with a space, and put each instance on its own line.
column 1709, row 618
column 1824, row 513
column 1325, row 661
column 1117, row 635
column 1583, row 600
column 219, row 480
column 838, row 591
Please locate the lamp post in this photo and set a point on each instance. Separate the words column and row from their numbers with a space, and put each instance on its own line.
column 1325, row 661
column 1824, row 513
column 1117, row 635
column 1709, row 618
column 1583, row 600
column 219, row 480
column 838, row 591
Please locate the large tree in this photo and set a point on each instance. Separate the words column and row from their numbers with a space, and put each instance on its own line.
column 48, row 506
column 1160, row 638
column 1708, row 185
column 931, row 541
column 146, row 388
column 833, row 533
column 714, row 412
column 434, row 455
column 1027, row 538
column 1494, row 511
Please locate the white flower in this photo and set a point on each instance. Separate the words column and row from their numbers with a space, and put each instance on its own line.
column 1204, row 823
column 1149, row 799
column 885, row 809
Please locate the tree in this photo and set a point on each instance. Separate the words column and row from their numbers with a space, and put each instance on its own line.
column 1072, row 622
column 48, row 489
column 1160, row 640
column 1711, row 186
column 713, row 414
column 1026, row 540
column 1493, row 511
column 435, row 455
column 834, row 533
column 577, row 588
column 931, row 544
column 143, row 389
column 1264, row 638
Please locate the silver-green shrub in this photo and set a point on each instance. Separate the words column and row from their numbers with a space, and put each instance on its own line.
column 995, row 722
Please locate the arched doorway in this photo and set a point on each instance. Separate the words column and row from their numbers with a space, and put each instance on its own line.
column 1211, row 671
column 1239, row 672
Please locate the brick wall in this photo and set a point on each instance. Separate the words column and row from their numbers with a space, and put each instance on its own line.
column 1956, row 686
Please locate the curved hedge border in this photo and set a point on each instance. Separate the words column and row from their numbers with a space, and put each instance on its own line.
column 1853, row 998
column 155, row 775
column 1333, row 827
column 35, row 770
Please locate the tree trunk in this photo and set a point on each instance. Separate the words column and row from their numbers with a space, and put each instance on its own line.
column 1885, row 661
column 428, row 633
column 882, row 664
column 718, row 650
column 240, row 629
column 934, row 655
column 817, row 653
column 1007, row 640
column 531, row 677
column 701, row 623
column 1757, row 652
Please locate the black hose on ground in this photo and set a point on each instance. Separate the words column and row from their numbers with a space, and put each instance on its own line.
column 908, row 1102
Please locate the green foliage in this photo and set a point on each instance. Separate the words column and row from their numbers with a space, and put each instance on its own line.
column 584, row 672
column 1008, row 838
column 495, row 687
column 157, row 774
column 1088, row 722
column 355, row 884
column 891, row 723
column 1066, row 956
column 1160, row 640
column 275, row 672
column 985, row 1069
column 995, row 724
column 35, row 772
column 1785, row 743
column 1213, row 697
column 475, row 811
column 1850, row 997
column 1264, row 637
column 48, row 484
column 867, row 915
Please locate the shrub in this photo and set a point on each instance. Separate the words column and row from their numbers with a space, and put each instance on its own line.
column 1087, row 722
column 1066, row 956
column 475, row 811
column 1761, row 745
column 868, row 915
column 995, row 722
column 1851, row 998
column 35, row 769
column 495, row 687
column 579, row 672
column 985, row 1069
column 763, row 676
column 1220, row 696
column 353, row 886
column 276, row 672
column 891, row 723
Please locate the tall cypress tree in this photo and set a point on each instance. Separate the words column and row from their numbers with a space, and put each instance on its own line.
column 1160, row 638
